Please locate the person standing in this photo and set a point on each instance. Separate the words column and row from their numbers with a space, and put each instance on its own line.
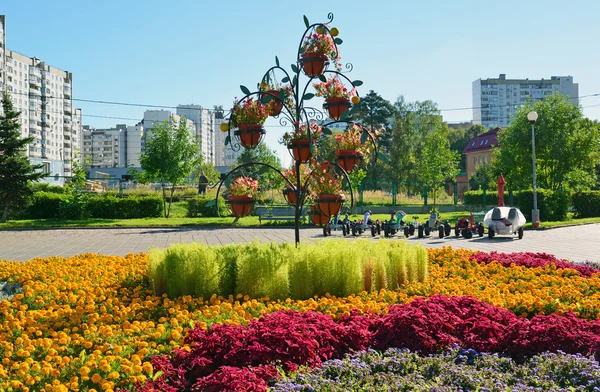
column 202, row 184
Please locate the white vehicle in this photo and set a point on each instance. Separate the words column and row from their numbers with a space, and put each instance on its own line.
column 504, row 220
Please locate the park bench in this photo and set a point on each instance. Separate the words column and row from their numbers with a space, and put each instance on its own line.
column 278, row 214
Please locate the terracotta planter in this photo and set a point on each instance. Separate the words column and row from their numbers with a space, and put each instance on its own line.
column 330, row 205
column 241, row 206
column 291, row 195
column 300, row 150
column 313, row 64
column 317, row 217
column 250, row 134
column 348, row 159
column 336, row 107
column 275, row 105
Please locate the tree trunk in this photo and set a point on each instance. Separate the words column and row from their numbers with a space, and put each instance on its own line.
column 171, row 200
column 164, row 201
column 5, row 213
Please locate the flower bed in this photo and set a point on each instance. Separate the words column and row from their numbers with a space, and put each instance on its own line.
column 457, row 369
column 92, row 322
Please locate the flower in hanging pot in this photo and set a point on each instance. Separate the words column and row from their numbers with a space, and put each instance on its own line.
column 337, row 96
column 271, row 96
column 241, row 195
column 318, row 48
column 326, row 184
column 349, row 147
column 248, row 117
column 289, row 192
column 298, row 142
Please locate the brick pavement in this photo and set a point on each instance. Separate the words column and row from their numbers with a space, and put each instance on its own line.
column 578, row 243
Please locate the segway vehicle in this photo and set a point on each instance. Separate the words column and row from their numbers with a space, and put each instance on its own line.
column 337, row 223
column 504, row 221
column 367, row 224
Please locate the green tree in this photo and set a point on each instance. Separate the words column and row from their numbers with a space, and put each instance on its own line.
column 170, row 156
column 440, row 163
column 210, row 172
column 377, row 113
column 485, row 174
column 566, row 147
column 16, row 172
column 267, row 178
column 413, row 121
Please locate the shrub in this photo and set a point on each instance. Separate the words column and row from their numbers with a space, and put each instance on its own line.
column 45, row 187
column 587, row 204
column 553, row 206
column 197, row 206
column 44, row 205
column 475, row 198
column 281, row 271
column 112, row 207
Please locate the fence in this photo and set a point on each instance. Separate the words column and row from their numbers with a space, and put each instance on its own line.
column 403, row 192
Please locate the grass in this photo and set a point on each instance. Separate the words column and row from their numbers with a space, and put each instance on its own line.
column 570, row 221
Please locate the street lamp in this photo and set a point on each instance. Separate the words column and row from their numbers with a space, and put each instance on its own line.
column 535, row 213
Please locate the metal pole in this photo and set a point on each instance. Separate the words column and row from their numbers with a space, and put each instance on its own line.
column 535, row 214
column 298, row 204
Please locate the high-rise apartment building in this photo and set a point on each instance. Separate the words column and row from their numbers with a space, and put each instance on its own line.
column 495, row 101
column 118, row 147
column 42, row 93
column 204, row 121
column 153, row 117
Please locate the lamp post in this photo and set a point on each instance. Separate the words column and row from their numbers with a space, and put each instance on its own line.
column 535, row 213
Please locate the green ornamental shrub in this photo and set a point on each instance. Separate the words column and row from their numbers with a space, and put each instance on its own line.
column 553, row 206
column 44, row 205
column 197, row 206
column 281, row 271
column 475, row 198
column 587, row 204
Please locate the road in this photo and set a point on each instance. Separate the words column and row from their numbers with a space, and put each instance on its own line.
column 577, row 243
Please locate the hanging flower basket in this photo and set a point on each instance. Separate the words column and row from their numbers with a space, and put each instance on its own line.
column 330, row 204
column 241, row 206
column 250, row 134
column 274, row 106
column 317, row 217
column 313, row 64
column 336, row 107
column 291, row 195
column 300, row 150
column 349, row 159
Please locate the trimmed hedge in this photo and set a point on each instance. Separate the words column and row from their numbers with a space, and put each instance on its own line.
column 553, row 206
column 587, row 204
column 475, row 198
column 197, row 206
column 47, row 205
column 44, row 205
column 281, row 271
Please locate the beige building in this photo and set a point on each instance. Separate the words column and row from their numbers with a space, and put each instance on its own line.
column 479, row 150
column 43, row 95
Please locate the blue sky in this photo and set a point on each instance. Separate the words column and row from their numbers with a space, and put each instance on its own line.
column 185, row 51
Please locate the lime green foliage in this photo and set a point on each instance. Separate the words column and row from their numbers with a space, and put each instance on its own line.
column 279, row 271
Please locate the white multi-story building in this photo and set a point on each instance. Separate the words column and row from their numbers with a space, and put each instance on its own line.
column 495, row 101
column 42, row 94
column 153, row 117
column 204, row 121
column 118, row 147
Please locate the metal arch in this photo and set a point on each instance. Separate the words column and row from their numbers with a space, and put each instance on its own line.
column 344, row 173
column 241, row 167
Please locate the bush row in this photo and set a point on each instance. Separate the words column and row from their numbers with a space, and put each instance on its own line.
column 291, row 339
column 553, row 205
column 47, row 205
column 281, row 271
column 202, row 206
column 587, row 204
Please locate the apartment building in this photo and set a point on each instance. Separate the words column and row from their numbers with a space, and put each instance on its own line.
column 204, row 122
column 117, row 147
column 153, row 117
column 43, row 95
column 495, row 101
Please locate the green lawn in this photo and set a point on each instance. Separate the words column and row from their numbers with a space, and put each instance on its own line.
column 179, row 218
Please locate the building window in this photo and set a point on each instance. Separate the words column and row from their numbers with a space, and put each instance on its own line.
column 46, row 167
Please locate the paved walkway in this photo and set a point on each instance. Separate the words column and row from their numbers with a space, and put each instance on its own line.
column 578, row 243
